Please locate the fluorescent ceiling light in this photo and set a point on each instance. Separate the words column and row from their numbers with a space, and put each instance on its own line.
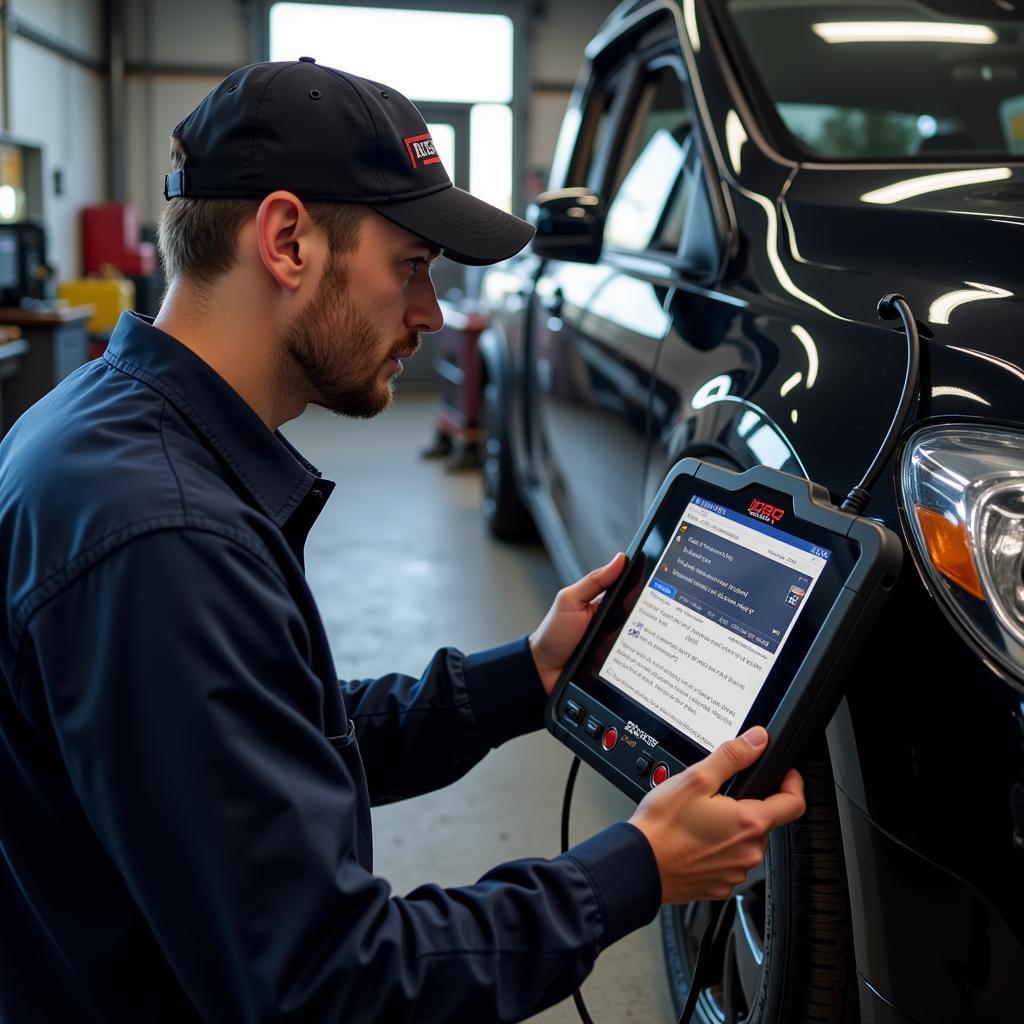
column 943, row 306
column 712, row 391
column 958, row 393
column 690, row 20
column 903, row 32
column 924, row 183
column 735, row 137
column 791, row 383
column 812, row 352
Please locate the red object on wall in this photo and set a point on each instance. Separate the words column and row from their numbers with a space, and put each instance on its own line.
column 139, row 263
column 110, row 236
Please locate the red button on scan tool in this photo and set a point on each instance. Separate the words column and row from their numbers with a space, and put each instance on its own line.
column 610, row 738
column 660, row 774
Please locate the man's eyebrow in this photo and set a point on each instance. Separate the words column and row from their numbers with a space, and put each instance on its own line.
column 432, row 251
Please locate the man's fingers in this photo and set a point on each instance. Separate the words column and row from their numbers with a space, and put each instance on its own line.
column 784, row 806
column 598, row 581
column 733, row 756
column 793, row 782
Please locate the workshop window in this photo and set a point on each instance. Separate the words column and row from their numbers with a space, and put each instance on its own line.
column 427, row 57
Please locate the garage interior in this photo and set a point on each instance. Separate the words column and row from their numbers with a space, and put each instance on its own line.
column 400, row 562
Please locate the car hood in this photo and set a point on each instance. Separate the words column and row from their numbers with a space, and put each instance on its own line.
column 950, row 239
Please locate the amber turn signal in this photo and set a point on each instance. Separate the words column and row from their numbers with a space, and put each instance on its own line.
column 949, row 549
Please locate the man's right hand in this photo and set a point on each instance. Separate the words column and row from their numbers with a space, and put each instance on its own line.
column 706, row 843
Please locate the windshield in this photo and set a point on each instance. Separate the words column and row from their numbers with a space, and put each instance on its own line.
column 908, row 80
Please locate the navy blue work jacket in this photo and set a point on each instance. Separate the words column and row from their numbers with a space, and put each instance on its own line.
column 185, row 785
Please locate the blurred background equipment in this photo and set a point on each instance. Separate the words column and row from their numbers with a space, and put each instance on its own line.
column 457, row 364
column 109, row 294
column 24, row 270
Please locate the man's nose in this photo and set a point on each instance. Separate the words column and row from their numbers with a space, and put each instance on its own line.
column 423, row 313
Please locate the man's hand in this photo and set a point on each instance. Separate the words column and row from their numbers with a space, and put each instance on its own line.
column 567, row 619
column 705, row 843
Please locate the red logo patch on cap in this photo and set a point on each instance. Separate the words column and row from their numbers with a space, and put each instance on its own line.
column 421, row 150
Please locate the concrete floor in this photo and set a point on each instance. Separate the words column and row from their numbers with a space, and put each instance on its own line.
column 401, row 564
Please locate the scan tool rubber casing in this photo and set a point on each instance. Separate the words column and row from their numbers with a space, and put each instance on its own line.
column 806, row 682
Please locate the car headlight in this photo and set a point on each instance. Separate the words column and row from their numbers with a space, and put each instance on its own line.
column 963, row 494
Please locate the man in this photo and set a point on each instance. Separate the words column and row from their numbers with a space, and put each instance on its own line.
column 185, row 817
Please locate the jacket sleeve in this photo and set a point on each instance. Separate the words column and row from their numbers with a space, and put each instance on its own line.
column 186, row 718
column 417, row 735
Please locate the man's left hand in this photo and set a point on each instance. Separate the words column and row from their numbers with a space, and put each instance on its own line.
column 554, row 640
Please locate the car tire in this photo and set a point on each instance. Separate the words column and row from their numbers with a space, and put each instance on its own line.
column 794, row 914
column 506, row 516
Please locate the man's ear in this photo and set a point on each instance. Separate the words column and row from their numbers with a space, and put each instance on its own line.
column 284, row 236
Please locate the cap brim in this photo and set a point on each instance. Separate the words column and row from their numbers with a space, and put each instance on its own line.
column 469, row 230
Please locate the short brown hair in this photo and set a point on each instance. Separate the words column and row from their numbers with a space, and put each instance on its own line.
column 198, row 237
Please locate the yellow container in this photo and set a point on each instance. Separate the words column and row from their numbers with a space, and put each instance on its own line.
column 109, row 296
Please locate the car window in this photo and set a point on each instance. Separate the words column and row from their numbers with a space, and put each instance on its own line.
column 852, row 131
column 650, row 187
column 852, row 79
column 592, row 132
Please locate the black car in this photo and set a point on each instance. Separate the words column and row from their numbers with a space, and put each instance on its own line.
column 736, row 185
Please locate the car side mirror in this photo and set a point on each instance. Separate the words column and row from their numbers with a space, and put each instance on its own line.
column 570, row 225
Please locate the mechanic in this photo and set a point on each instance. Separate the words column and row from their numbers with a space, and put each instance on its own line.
column 185, row 821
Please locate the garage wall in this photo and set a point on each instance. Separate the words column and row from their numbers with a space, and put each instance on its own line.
column 214, row 34
column 560, row 31
column 57, row 103
column 192, row 44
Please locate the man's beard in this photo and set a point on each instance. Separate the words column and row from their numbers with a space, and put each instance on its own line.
column 339, row 354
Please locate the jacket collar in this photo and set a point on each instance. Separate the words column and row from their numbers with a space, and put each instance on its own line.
column 275, row 475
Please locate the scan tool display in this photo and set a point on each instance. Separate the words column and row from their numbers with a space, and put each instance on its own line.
column 711, row 619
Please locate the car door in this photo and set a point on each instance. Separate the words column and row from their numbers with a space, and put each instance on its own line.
column 597, row 327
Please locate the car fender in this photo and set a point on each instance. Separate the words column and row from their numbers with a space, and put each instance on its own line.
column 737, row 434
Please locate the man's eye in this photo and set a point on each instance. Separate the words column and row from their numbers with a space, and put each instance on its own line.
column 415, row 262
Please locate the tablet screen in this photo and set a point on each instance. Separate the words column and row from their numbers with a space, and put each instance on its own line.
column 712, row 618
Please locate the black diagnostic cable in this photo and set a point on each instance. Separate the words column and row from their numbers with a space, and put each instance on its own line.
column 570, row 785
column 890, row 307
column 708, row 941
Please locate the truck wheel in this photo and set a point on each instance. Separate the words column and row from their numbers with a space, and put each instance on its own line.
column 506, row 516
column 788, row 952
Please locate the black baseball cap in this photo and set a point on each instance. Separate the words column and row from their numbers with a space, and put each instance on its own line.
column 329, row 136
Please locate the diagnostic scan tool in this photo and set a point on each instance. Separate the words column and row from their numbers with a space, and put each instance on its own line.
column 743, row 602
